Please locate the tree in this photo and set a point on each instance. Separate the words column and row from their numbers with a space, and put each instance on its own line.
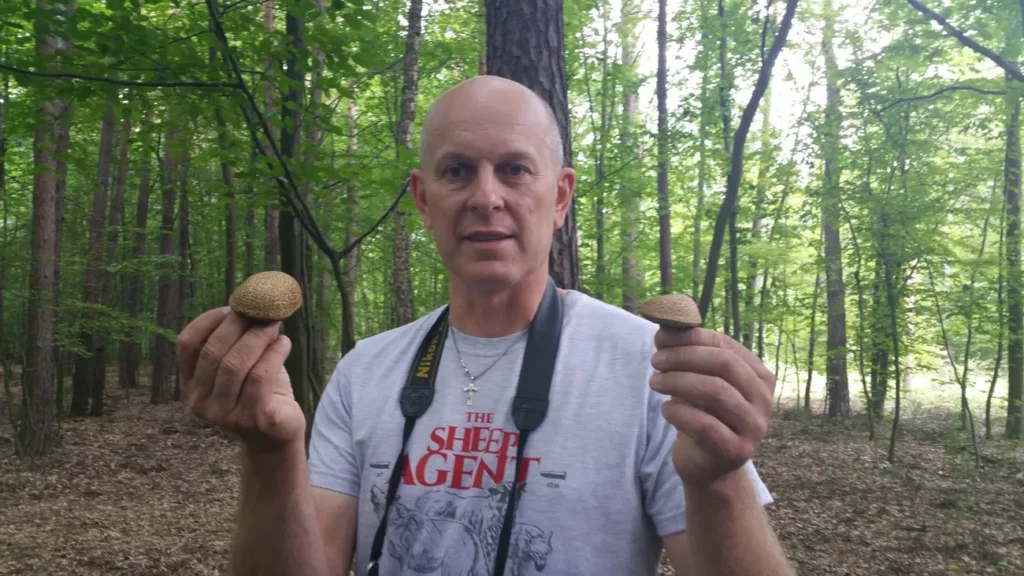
column 835, row 359
column 405, row 311
column 664, row 206
column 526, row 43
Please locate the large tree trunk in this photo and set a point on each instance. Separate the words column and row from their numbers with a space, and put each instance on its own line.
column 131, row 293
column 835, row 360
column 162, row 389
column 86, row 369
column 664, row 206
column 526, row 43
column 629, row 194
column 37, row 431
column 405, row 310
column 295, row 255
column 271, row 215
column 1015, row 313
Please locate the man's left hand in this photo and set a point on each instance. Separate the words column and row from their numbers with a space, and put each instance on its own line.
column 721, row 401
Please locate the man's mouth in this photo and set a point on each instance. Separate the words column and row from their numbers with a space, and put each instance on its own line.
column 487, row 236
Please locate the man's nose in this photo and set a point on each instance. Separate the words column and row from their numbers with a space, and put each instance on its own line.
column 486, row 190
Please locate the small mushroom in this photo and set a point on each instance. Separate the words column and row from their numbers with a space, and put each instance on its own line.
column 267, row 296
column 673, row 310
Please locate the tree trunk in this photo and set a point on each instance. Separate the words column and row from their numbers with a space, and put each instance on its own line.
column 525, row 43
column 88, row 365
column 1015, row 313
column 835, row 360
column 600, row 146
column 811, row 341
column 295, row 255
column 186, row 260
column 405, row 310
column 1001, row 324
column 228, row 178
column 890, row 291
column 131, row 294
column 271, row 215
column 664, row 206
column 880, row 338
column 167, row 298
column 37, row 430
column 702, row 162
column 629, row 195
column 755, row 231
column 348, row 337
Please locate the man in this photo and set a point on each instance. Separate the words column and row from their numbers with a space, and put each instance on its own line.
column 647, row 439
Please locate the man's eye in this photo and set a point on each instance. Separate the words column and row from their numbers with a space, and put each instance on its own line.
column 456, row 171
column 515, row 170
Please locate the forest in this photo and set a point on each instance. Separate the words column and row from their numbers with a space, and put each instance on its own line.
column 837, row 182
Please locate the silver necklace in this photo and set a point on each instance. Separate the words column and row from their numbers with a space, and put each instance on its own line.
column 471, row 388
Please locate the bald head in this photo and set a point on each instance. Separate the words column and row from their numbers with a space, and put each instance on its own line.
column 494, row 93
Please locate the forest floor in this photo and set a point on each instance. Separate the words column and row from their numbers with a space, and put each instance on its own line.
column 147, row 490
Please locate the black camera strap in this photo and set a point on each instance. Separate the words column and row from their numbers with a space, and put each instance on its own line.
column 529, row 407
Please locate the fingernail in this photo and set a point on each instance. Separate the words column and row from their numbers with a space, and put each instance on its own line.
column 656, row 380
column 226, row 310
column 286, row 339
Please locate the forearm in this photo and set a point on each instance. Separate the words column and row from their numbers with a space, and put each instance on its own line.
column 277, row 527
column 728, row 532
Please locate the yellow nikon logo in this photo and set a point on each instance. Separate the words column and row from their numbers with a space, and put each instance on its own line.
column 424, row 368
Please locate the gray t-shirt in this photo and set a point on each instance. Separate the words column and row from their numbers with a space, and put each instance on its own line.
column 600, row 485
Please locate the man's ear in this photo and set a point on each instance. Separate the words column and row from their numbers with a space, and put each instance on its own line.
column 420, row 195
column 566, row 187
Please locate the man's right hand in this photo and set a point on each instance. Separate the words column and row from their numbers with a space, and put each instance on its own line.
column 232, row 376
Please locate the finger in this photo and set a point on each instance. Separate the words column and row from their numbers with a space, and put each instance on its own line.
column 213, row 351
column 237, row 362
column 257, row 393
column 710, row 434
column 193, row 337
column 713, row 396
column 718, row 362
column 667, row 337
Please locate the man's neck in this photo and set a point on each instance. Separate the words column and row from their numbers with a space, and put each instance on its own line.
column 492, row 314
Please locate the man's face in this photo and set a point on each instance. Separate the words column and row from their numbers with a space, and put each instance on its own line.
column 489, row 187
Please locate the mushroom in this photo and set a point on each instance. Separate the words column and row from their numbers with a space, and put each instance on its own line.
column 267, row 296
column 672, row 310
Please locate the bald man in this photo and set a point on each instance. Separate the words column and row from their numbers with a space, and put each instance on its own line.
column 648, row 434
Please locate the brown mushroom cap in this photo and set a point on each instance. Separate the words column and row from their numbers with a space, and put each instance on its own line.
column 267, row 296
column 675, row 310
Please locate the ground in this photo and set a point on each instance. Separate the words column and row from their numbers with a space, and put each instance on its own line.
column 147, row 490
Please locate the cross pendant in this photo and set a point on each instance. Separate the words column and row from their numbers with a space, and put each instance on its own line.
column 469, row 390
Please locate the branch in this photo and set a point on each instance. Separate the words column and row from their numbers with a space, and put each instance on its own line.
column 355, row 243
column 736, row 171
column 1011, row 69
column 119, row 82
column 940, row 92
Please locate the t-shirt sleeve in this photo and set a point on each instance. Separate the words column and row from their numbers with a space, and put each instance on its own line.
column 332, row 458
column 663, row 489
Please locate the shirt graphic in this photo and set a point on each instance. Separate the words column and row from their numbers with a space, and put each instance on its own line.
column 447, row 515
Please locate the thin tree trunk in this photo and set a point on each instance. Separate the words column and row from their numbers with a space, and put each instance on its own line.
column 1001, row 323
column 756, row 229
column 664, row 206
column 271, row 215
column 88, row 365
column 629, row 196
column 835, row 360
column 811, row 341
column 186, row 272
column 167, row 297
column 348, row 338
column 600, row 145
column 890, row 291
column 405, row 309
column 228, row 178
column 131, row 294
column 526, row 43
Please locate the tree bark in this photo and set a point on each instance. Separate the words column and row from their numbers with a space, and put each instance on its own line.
column 405, row 309
column 37, row 430
column 1001, row 323
column 526, row 43
column 88, row 378
column 348, row 337
column 1015, row 313
column 629, row 196
column 756, row 229
column 161, row 389
column 131, row 292
column 811, row 341
column 835, row 361
column 227, row 174
column 271, row 215
column 664, row 206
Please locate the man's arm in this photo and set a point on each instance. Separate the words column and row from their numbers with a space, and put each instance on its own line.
column 723, row 519
column 285, row 526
